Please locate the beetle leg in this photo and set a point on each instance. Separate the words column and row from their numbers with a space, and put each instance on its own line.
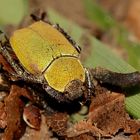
column 60, row 29
column 10, row 60
column 89, row 84
column 122, row 80
column 4, row 49
column 20, row 73
column 4, row 82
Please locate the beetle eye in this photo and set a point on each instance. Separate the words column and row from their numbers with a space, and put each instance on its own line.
column 74, row 89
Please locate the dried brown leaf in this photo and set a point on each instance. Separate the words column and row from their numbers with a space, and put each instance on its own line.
column 135, row 137
column 14, row 109
column 2, row 116
column 82, row 137
column 84, row 127
column 58, row 123
column 120, row 136
column 107, row 111
column 32, row 116
column 5, row 64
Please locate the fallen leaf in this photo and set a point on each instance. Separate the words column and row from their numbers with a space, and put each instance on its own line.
column 82, row 137
column 32, row 116
column 107, row 112
column 58, row 123
column 2, row 116
column 14, row 109
column 84, row 127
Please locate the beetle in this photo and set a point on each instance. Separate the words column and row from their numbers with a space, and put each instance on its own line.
column 48, row 56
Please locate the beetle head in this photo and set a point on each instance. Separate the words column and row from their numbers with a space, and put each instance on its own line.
column 75, row 89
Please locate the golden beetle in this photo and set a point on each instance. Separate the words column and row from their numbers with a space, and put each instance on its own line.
column 48, row 56
column 47, row 52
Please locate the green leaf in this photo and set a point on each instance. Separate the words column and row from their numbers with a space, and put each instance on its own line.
column 105, row 22
column 101, row 56
column 133, row 50
column 98, row 15
column 12, row 11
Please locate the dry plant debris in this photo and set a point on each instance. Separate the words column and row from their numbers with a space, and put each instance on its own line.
column 58, row 123
column 82, row 137
column 2, row 116
column 135, row 137
column 42, row 134
column 32, row 116
column 84, row 127
column 13, row 107
column 107, row 112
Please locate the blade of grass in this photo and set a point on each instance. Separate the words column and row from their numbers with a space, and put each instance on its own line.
column 105, row 22
column 100, row 56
